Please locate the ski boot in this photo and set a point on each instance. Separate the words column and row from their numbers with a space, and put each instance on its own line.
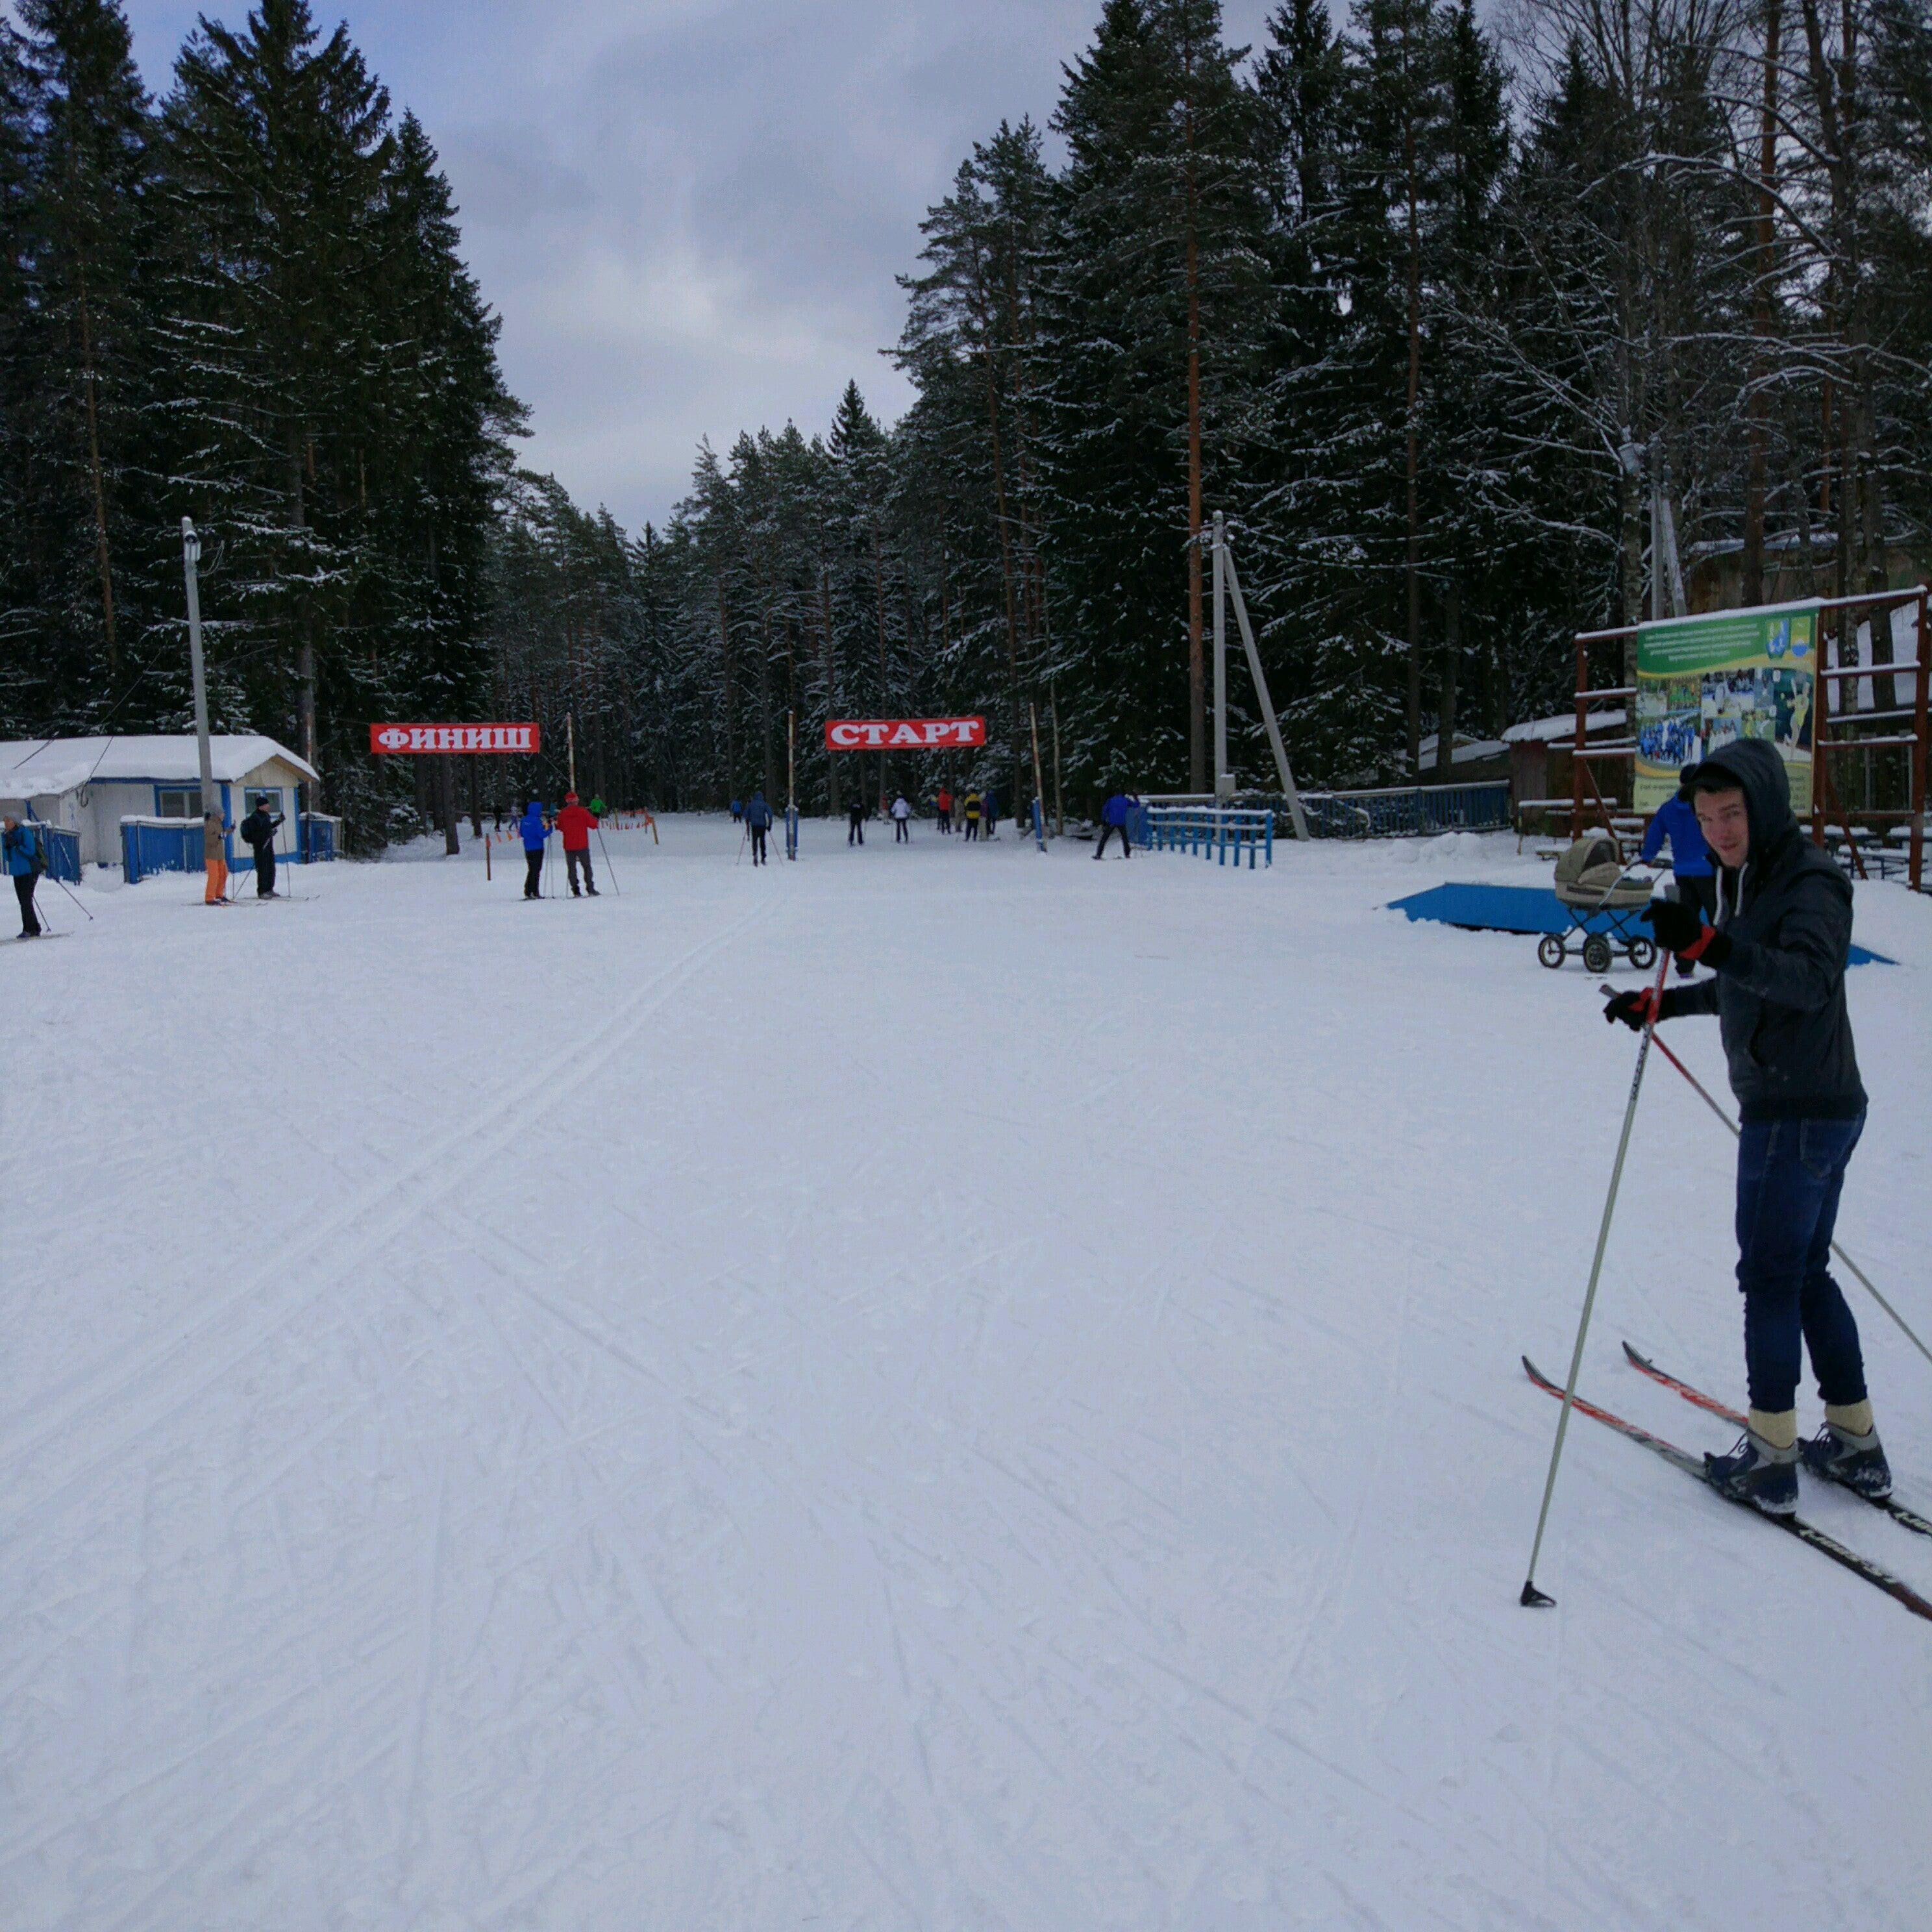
column 1759, row 1472
column 1843, row 1453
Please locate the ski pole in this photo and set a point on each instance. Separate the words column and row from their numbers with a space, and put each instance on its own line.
column 1532, row 1598
column 610, row 870
column 62, row 884
column 741, row 837
column 1864, row 1280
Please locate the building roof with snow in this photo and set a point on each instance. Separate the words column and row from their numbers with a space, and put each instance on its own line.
column 36, row 767
column 1554, row 730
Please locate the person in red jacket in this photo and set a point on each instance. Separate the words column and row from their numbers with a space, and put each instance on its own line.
column 576, row 824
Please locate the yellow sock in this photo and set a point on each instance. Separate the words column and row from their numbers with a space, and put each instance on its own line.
column 1779, row 1427
column 1852, row 1418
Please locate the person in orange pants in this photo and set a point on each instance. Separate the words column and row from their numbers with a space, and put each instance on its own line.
column 214, row 853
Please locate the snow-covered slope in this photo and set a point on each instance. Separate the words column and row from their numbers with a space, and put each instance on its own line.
column 927, row 1388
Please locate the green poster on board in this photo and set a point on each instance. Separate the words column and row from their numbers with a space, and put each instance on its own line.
column 1702, row 683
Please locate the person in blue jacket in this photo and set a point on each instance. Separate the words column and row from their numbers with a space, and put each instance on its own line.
column 535, row 829
column 21, row 849
column 737, row 810
column 1113, row 819
column 757, row 822
column 1676, row 820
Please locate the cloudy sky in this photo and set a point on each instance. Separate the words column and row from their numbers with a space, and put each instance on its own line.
column 689, row 213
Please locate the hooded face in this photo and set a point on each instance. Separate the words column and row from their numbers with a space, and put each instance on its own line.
column 1724, row 819
column 1743, row 800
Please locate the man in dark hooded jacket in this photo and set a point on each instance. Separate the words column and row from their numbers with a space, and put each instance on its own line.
column 258, row 831
column 1777, row 952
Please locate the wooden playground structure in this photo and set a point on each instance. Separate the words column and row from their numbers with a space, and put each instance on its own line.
column 1859, row 726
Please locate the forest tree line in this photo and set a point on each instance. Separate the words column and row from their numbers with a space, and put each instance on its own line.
column 1426, row 314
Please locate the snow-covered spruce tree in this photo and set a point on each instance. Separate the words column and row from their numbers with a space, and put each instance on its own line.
column 969, row 455
column 1155, row 314
column 81, row 417
column 331, row 391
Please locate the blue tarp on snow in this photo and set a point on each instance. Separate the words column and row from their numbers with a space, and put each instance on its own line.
column 1527, row 909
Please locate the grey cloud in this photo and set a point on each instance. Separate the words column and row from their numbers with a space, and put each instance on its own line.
column 689, row 213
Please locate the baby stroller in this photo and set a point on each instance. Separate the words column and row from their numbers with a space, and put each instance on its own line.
column 1590, row 883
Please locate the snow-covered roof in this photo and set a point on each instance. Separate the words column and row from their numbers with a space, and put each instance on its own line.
column 1465, row 751
column 1548, row 730
column 31, row 768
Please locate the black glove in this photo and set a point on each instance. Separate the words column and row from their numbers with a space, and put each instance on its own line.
column 1636, row 1009
column 1681, row 929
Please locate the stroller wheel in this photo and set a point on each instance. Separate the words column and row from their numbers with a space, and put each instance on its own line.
column 1549, row 949
column 1643, row 954
column 1597, row 954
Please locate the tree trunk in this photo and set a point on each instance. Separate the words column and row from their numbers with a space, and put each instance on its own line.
column 1413, row 549
column 1452, row 653
column 97, row 487
column 1758, row 404
column 831, row 688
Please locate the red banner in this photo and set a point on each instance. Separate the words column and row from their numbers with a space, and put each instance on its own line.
column 903, row 734
column 388, row 740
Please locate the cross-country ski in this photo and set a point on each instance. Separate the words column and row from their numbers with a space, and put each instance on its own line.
column 1696, row 1467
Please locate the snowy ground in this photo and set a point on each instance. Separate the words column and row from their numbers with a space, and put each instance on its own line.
column 936, row 1387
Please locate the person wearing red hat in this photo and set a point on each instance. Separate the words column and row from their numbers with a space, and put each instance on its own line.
column 576, row 824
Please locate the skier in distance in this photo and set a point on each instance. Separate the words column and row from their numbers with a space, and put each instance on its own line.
column 1676, row 820
column 1777, row 952
column 22, row 847
column 945, row 803
column 758, row 822
column 534, row 831
column 258, row 832
column 1113, row 819
column 576, row 825
column 901, row 814
column 214, row 858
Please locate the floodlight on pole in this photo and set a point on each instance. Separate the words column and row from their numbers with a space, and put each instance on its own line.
column 190, row 563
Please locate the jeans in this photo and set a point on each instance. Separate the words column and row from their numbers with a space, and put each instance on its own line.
column 572, row 860
column 902, row 833
column 533, row 872
column 1106, row 832
column 23, row 890
column 1790, row 1174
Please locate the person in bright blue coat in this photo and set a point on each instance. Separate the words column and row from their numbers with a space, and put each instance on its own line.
column 536, row 830
column 21, row 848
column 1690, row 856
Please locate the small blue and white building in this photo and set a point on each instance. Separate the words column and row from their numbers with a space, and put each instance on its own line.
column 137, row 801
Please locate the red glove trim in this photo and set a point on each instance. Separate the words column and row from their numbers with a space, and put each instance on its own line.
column 1649, row 1003
column 1695, row 952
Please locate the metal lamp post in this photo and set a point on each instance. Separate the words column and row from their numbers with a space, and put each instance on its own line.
column 191, row 559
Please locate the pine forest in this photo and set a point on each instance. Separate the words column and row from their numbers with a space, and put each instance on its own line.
column 1427, row 303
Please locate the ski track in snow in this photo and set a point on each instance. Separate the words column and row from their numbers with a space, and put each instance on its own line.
column 927, row 1388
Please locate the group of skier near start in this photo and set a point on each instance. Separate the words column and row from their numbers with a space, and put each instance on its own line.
column 1777, row 943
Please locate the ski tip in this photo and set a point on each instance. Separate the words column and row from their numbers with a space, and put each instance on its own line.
column 1637, row 1361
column 1534, row 1599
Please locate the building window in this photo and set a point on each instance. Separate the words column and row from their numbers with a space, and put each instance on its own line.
column 253, row 797
column 172, row 803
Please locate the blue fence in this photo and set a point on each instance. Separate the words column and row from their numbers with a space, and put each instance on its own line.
column 159, row 845
column 1408, row 811
column 61, row 849
column 1214, row 831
